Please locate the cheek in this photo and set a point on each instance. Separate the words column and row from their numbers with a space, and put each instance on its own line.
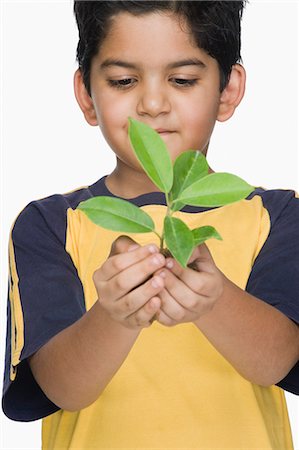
column 200, row 116
column 113, row 121
column 115, row 118
column 198, row 123
column 108, row 114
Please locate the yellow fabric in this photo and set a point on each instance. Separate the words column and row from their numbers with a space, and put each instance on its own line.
column 17, row 321
column 175, row 391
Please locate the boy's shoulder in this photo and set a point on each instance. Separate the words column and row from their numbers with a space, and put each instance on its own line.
column 70, row 199
column 45, row 219
column 54, row 207
column 277, row 202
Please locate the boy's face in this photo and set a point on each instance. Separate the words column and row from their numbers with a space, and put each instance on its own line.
column 149, row 68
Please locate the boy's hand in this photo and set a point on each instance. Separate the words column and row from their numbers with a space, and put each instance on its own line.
column 189, row 294
column 123, row 285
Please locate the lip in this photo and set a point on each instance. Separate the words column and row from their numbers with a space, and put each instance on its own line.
column 163, row 131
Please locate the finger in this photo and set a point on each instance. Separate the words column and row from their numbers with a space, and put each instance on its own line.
column 119, row 262
column 198, row 281
column 202, row 258
column 169, row 306
column 133, row 276
column 122, row 244
column 164, row 319
column 136, row 299
column 145, row 315
column 186, row 290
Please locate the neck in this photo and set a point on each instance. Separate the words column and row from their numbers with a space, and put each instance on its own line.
column 126, row 182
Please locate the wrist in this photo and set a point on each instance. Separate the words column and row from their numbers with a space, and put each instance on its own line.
column 111, row 323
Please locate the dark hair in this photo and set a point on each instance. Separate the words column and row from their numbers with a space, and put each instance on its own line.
column 215, row 26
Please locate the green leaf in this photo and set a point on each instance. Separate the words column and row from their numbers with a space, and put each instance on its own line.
column 189, row 167
column 179, row 239
column 216, row 189
column 152, row 154
column 202, row 234
column 117, row 215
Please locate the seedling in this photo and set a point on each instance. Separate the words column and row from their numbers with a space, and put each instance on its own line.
column 187, row 182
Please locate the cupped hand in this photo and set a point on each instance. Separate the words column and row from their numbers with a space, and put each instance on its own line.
column 188, row 293
column 125, row 284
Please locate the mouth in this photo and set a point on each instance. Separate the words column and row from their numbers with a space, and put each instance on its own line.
column 163, row 132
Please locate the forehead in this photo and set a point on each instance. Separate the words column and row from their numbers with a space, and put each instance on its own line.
column 156, row 35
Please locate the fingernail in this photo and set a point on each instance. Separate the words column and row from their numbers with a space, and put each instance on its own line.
column 170, row 264
column 157, row 259
column 153, row 249
column 157, row 282
column 133, row 247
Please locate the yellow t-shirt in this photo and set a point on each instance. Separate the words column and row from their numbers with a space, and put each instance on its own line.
column 174, row 390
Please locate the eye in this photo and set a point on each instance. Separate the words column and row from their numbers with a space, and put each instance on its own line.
column 184, row 82
column 121, row 84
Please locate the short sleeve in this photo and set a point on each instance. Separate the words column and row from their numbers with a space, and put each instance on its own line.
column 275, row 274
column 45, row 297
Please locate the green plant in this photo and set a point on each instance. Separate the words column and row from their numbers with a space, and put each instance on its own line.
column 187, row 182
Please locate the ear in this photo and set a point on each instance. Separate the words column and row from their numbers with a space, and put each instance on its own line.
column 84, row 100
column 233, row 93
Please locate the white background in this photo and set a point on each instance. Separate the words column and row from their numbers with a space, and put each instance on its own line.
column 48, row 148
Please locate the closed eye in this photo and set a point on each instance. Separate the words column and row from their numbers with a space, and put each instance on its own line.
column 185, row 82
column 128, row 82
column 121, row 84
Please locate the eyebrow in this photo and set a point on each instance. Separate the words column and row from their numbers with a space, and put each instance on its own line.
column 127, row 65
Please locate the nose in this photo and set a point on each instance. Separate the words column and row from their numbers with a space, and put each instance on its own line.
column 153, row 100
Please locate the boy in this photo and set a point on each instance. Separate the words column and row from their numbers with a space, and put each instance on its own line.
column 112, row 376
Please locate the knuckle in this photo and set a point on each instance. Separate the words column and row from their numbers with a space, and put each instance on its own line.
column 116, row 264
column 120, row 283
column 180, row 315
column 95, row 276
column 121, row 244
column 140, row 322
column 193, row 303
column 128, row 303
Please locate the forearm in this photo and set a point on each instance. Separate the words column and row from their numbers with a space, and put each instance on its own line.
column 258, row 340
column 74, row 367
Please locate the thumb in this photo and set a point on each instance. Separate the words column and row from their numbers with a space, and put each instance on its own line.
column 201, row 257
column 122, row 244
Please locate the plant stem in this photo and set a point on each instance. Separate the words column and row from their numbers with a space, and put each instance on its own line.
column 169, row 213
column 161, row 238
column 168, row 202
column 157, row 234
column 162, row 242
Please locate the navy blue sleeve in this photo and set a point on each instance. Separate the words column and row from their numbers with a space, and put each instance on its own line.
column 46, row 296
column 275, row 274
